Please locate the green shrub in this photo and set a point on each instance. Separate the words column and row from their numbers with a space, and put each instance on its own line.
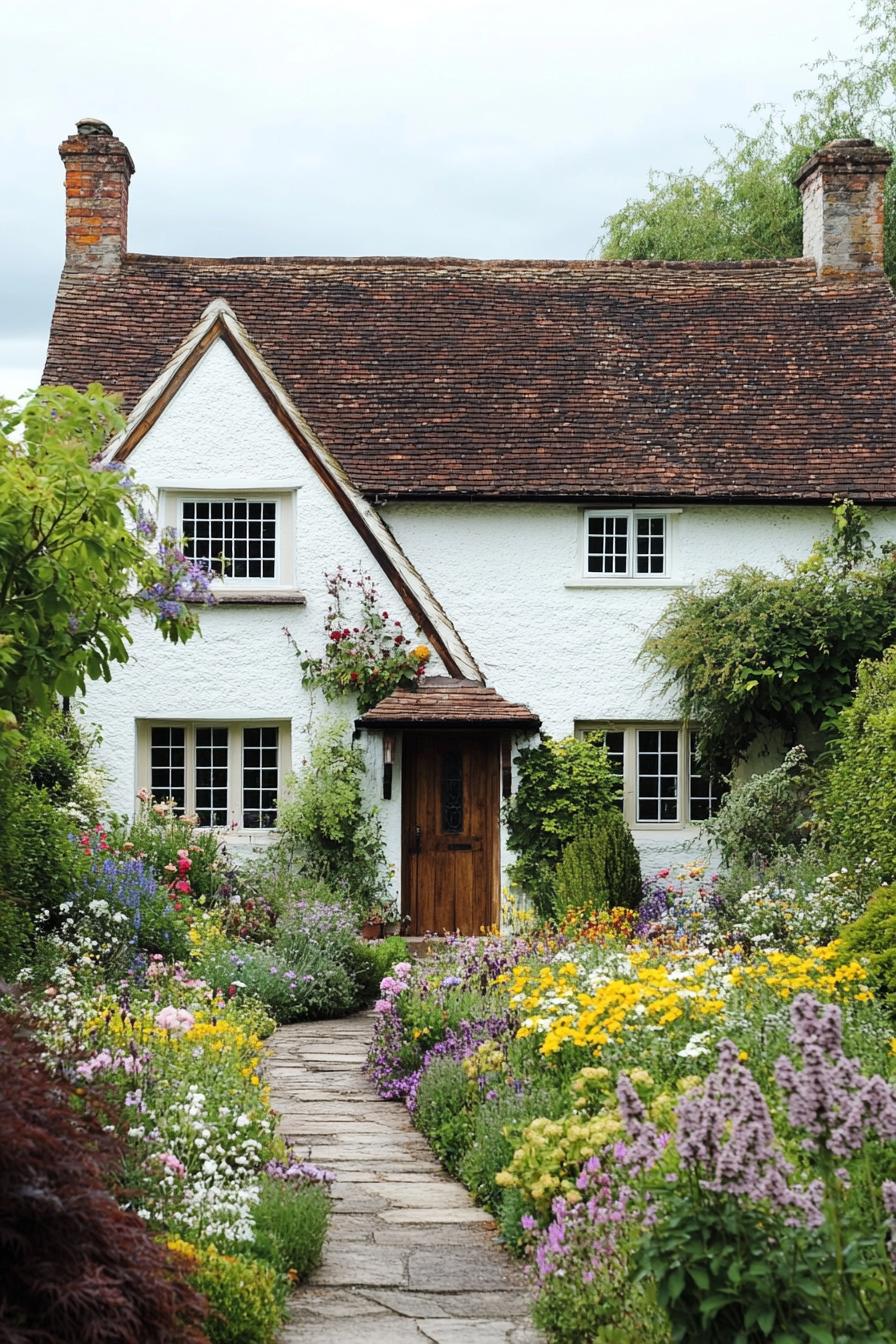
column 326, row 830
column 443, row 1112
column 765, row 816
column 384, row 953
column 291, row 1225
column 600, row 868
column 856, row 800
column 39, row 865
column 746, row 652
column 565, row 787
column 16, row 930
column 245, row 1297
column 872, row 937
column 55, row 752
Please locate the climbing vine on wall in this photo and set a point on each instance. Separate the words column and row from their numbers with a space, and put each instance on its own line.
column 367, row 652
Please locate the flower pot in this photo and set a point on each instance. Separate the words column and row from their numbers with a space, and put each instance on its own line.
column 372, row 928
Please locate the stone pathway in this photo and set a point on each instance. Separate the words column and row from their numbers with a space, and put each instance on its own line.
column 409, row 1256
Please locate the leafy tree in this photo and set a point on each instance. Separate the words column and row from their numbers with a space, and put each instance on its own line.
column 748, row 652
column 744, row 205
column 78, row 555
column 856, row 802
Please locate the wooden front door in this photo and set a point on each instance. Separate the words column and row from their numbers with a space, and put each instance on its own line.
column 450, row 801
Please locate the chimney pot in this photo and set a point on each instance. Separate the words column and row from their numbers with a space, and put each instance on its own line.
column 842, row 187
column 92, row 126
column 98, row 170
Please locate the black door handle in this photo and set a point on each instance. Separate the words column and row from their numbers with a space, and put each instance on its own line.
column 416, row 839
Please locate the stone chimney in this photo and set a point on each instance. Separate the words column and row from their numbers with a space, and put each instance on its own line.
column 843, row 207
column 98, row 169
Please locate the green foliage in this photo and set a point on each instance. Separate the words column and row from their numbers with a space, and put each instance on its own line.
column 244, row 1296
column 54, row 754
column 599, row 868
column 565, row 786
column 744, row 205
column 749, row 652
column 856, row 801
column 39, row 865
column 764, row 817
column 326, row 830
column 604, row 1309
column 290, row 1225
column 872, row 937
column 443, row 1110
column 367, row 652
column 16, row 930
column 73, row 565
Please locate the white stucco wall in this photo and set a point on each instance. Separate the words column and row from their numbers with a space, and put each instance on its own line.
column 508, row 575
column 217, row 433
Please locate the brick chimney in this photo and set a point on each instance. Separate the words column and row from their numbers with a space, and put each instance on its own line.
column 98, row 169
column 843, row 206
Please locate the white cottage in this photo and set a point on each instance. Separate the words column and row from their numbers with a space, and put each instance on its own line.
column 527, row 456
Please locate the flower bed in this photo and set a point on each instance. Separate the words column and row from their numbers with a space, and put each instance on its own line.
column 153, row 986
column 684, row 1143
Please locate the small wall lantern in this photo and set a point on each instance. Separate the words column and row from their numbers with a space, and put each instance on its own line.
column 388, row 753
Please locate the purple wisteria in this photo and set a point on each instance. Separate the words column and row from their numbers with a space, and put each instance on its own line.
column 182, row 581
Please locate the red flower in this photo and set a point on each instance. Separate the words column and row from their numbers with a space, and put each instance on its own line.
column 385, row 615
column 182, row 886
column 353, row 677
column 231, row 990
column 177, row 905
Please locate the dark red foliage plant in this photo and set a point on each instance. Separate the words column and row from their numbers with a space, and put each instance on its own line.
column 75, row 1267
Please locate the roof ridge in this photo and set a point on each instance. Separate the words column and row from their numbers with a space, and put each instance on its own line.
column 485, row 263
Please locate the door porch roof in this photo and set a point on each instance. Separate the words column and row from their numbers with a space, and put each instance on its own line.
column 449, row 702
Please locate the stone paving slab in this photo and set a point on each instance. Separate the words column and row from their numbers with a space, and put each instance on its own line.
column 409, row 1256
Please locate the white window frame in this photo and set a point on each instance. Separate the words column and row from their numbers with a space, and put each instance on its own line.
column 171, row 504
column 631, row 729
column 629, row 577
column 234, row 762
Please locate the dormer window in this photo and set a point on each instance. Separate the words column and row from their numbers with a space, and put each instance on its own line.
column 626, row 544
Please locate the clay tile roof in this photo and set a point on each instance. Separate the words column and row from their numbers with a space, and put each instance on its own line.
column 535, row 379
column 438, row 702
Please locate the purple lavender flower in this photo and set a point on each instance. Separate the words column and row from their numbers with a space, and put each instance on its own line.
column 726, row 1136
column 829, row 1097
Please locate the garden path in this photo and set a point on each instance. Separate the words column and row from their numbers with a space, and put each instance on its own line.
column 408, row 1256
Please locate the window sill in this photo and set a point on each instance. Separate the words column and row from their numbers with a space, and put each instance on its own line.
column 626, row 583
column 658, row 827
column 236, row 598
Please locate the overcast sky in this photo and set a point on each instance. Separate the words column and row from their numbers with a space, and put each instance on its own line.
column 488, row 128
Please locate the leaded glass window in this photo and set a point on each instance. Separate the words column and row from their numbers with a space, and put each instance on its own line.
column 260, row 777
column 212, row 776
column 657, row 783
column 626, row 545
column 235, row 537
column 705, row 793
column 168, row 766
column 607, row 544
column 452, row 792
